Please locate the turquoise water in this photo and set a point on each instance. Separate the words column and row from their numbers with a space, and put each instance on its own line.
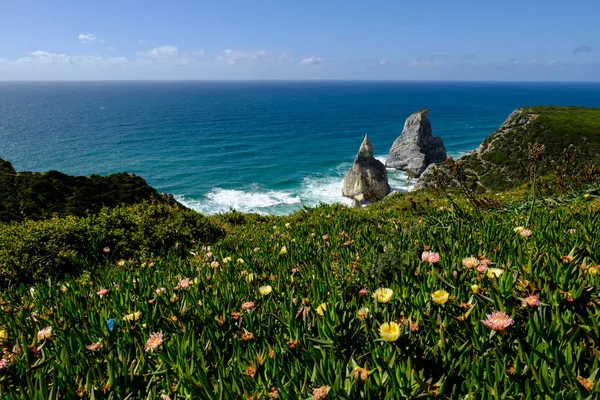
column 267, row 147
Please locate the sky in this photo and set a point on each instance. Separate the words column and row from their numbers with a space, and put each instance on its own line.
column 482, row 40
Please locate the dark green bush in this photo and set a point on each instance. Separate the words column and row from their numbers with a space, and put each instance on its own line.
column 33, row 195
column 33, row 250
column 383, row 269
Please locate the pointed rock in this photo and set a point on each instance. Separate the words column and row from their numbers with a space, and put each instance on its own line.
column 415, row 149
column 367, row 178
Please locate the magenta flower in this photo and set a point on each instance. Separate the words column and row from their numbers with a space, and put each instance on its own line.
column 102, row 292
column 154, row 341
column 184, row 284
column 249, row 305
column 430, row 257
column 498, row 321
column 363, row 292
column 531, row 301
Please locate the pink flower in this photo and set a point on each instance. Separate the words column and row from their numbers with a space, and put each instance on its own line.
column 249, row 305
column 498, row 321
column 481, row 267
column 485, row 261
column 531, row 301
column 363, row 292
column 525, row 233
column 184, row 284
column 470, row 262
column 160, row 291
column 94, row 347
column 3, row 363
column 102, row 292
column 154, row 341
column 430, row 257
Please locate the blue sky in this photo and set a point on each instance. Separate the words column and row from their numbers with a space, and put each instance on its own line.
column 550, row 40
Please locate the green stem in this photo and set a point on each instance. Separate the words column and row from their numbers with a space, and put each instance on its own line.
column 532, row 199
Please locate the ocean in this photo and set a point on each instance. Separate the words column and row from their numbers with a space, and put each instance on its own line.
column 256, row 146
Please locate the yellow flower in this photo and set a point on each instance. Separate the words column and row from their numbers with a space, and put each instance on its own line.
column 518, row 229
column 3, row 335
column 322, row 307
column 585, row 196
column 249, row 277
column 265, row 290
column 383, row 295
column 121, row 263
column 133, row 316
column 389, row 331
column 592, row 270
column 240, row 261
column 440, row 296
column 287, row 224
column 475, row 288
column 494, row 272
column 283, row 250
column 226, row 260
column 363, row 313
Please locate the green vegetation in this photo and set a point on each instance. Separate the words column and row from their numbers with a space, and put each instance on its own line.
column 36, row 250
column 447, row 294
column 501, row 161
column 31, row 195
column 180, row 324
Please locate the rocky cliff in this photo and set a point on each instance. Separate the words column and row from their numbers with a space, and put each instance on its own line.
column 500, row 162
column 416, row 148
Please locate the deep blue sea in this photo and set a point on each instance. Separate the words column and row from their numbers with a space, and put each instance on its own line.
column 266, row 147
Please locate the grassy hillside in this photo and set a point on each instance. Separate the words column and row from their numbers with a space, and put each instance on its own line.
column 31, row 195
column 283, row 307
column 501, row 162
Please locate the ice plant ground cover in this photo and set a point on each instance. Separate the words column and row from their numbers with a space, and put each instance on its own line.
column 244, row 319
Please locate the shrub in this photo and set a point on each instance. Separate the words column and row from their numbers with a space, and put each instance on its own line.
column 34, row 250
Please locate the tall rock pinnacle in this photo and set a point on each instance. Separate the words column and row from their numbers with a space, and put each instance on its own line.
column 415, row 149
column 367, row 178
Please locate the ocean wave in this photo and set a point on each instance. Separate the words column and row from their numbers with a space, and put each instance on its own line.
column 220, row 200
column 312, row 191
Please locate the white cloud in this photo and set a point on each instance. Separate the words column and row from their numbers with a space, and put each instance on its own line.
column 553, row 62
column 197, row 53
column 385, row 61
column 110, row 47
column 312, row 60
column 232, row 56
column 423, row 64
column 40, row 57
column 88, row 38
column 141, row 41
column 162, row 51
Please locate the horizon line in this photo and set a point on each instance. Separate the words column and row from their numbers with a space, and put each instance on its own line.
column 297, row 80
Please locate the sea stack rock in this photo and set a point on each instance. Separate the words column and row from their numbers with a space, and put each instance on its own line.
column 367, row 178
column 415, row 149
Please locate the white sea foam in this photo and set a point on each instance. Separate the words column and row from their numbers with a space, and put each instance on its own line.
column 222, row 200
column 313, row 191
